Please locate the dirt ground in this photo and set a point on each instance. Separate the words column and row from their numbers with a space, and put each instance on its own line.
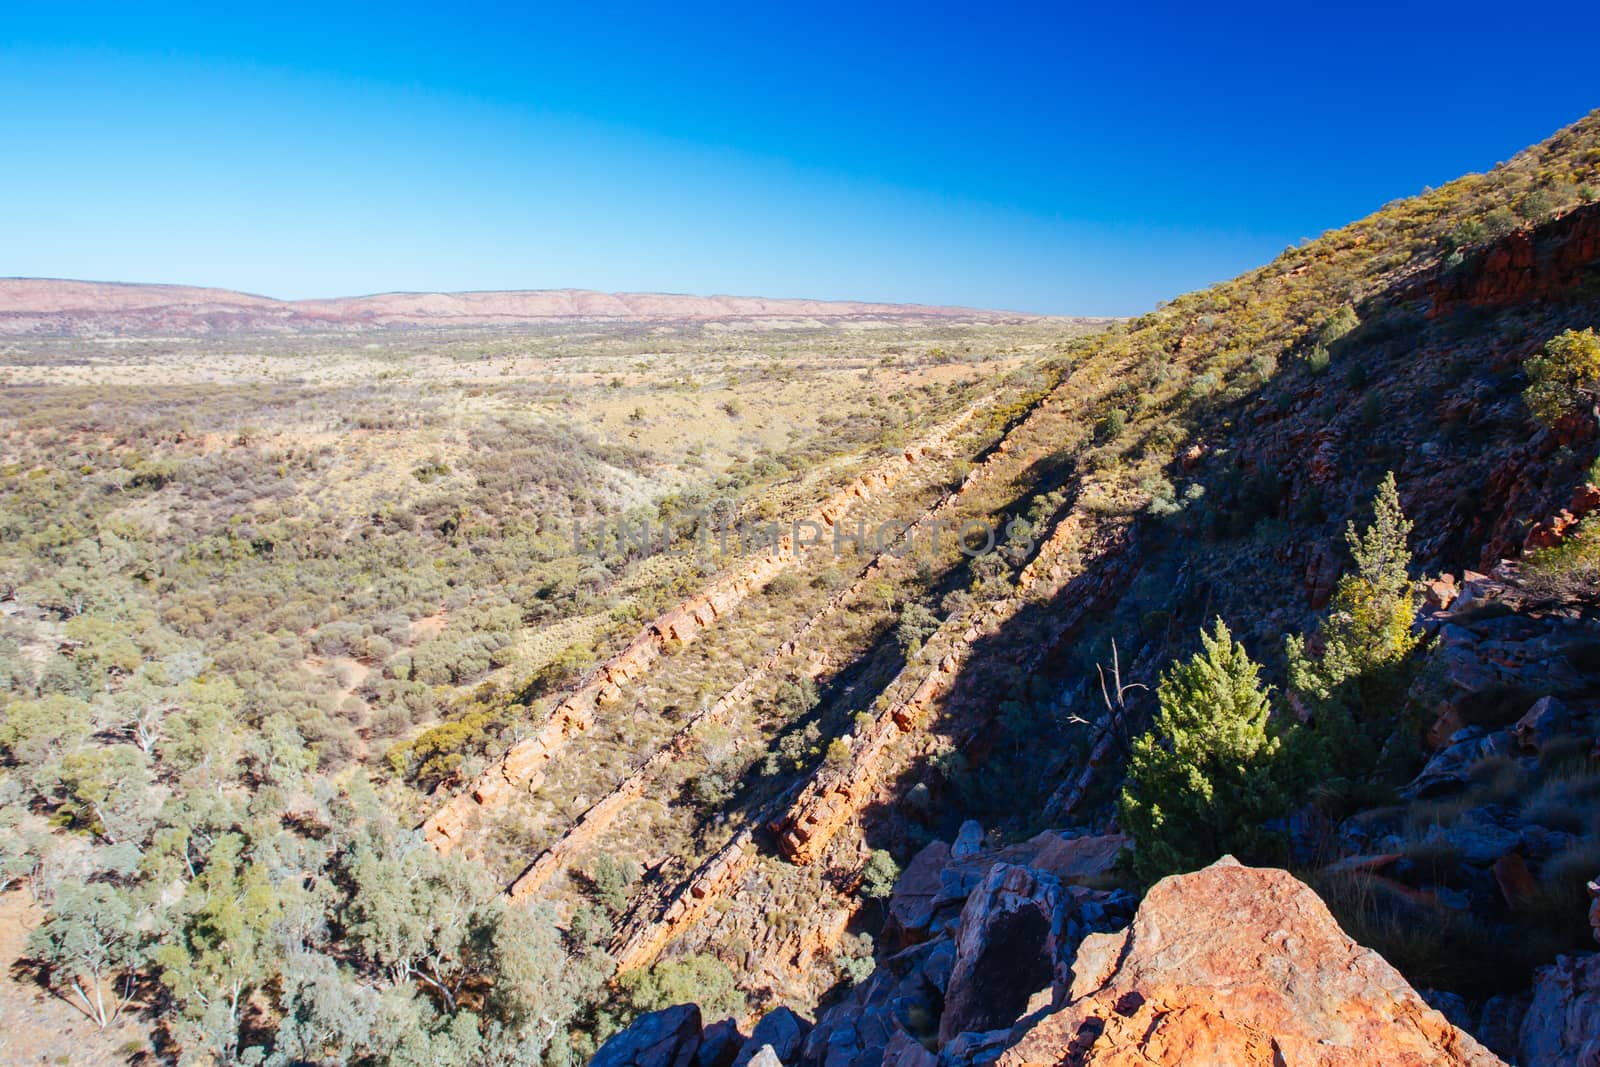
column 37, row 1027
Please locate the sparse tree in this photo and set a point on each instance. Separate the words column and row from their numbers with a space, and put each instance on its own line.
column 608, row 882
column 90, row 940
column 220, row 949
column 106, row 791
column 416, row 914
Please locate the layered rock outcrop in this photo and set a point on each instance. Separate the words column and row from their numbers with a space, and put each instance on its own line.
column 835, row 796
column 522, row 768
column 652, row 927
column 1527, row 265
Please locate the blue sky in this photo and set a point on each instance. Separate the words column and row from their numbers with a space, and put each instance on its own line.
column 1035, row 157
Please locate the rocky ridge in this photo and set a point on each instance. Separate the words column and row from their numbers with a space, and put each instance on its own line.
column 47, row 307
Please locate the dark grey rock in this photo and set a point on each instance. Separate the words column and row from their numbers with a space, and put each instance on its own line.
column 1562, row 1025
column 969, row 840
column 719, row 1044
column 781, row 1030
column 1499, row 1023
column 1451, row 1005
column 666, row 1038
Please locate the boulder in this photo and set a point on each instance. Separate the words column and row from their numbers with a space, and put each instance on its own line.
column 1562, row 1025
column 904, row 1050
column 1005, row 951
column 765, row 1057
column 666, row 1038
column 781, row 1031
column 969, row 840
column 1514, row 880
column 1078, row 859
column 1544, row 721
column 1449, row 768
column 1438, row 593
column 1451, row 1005
column 974, row 1049
column 1478, row 838
column 911, row 906
column 1238, row 966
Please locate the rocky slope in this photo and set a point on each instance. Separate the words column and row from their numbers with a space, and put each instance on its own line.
column 44, row 307
column 1251, row 423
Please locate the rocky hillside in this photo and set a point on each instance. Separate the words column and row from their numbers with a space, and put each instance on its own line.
column 1203, row 462
column 47, row 307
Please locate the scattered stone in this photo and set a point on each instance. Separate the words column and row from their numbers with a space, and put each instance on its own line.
column 1500, row 1022
column 1544, row 721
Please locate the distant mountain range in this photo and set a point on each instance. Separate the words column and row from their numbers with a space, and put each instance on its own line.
column 48, row 307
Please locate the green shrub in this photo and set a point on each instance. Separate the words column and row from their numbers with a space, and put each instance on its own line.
column 1568, row 571
column 699, row 979
column 1317, row 359
column 879, row 875
column 1339, row 324
column 916, row 625
column 607, row 882
column 1565, row 378
column 1112, row 426
column 1202, row 782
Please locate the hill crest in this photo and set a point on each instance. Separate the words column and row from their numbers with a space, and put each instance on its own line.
column 57, row 307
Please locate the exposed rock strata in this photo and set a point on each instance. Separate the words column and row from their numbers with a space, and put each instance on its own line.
column 522, row 768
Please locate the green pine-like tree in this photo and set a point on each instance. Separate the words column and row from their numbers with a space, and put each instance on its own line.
column 1203, row 781
column 1354, row 689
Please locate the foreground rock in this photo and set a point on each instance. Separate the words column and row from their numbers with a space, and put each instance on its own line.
column 1238, row 966
column 667, row 1038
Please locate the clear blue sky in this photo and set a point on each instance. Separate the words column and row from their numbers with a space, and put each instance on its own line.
column 1034, row 157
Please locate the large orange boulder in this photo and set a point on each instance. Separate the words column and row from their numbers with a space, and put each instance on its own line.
column 1236, row 966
